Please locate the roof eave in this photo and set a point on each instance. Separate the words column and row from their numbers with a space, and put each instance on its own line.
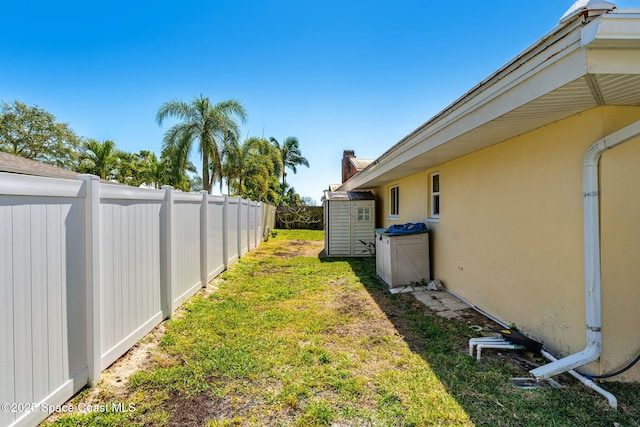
column 554, row 61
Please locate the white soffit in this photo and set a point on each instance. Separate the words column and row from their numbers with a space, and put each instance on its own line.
column 620, row 89
column 564, row 102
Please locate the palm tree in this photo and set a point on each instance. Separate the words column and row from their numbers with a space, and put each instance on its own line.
column 126, row 169
column 205, row 123
column 251, row 163
column 290, row 155
column 289, row 196
column 99, row 158
column 175, row 164
column 152, row 171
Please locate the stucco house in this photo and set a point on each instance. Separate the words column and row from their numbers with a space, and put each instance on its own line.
column 530, row 184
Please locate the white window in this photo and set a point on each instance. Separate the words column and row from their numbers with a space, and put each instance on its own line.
column 435, row 195
column 395, row 201
column 363, row 214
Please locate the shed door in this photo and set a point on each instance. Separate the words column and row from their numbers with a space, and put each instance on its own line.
column 339, row 228
column 362, row 226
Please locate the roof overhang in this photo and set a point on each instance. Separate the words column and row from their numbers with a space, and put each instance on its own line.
column 20, row 165
column 359, row 164
column 576, row 67
column 348, row 195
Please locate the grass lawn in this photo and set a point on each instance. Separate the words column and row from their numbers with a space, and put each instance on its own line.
column 289, row 338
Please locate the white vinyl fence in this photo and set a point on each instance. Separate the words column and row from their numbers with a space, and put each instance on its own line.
column 87, row 269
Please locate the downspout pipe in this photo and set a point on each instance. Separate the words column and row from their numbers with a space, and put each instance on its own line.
column 613, row 401
column 592, row 274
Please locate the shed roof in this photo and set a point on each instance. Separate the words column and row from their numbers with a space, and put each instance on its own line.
column 349, row 195
column 585, row 62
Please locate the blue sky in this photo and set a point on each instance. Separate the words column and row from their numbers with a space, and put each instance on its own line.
column 336, row 74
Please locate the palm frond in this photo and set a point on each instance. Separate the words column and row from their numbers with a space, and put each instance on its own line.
column 174, row 108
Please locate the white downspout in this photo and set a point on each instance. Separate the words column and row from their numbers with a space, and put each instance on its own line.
column 613, row 401
column 591, row 256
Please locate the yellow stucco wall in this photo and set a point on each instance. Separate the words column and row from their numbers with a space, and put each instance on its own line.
column 413, row 201
column 510, row 234
column 620, row 263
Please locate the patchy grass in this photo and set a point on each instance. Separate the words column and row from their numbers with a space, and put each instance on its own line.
column 293, row 339
column 299, row 235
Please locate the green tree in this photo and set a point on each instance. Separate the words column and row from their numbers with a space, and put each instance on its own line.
column 249, row 166
column 272, row 194
column 175, row 163
column 265, row 185
column 34, row 133
column 290, row 155
column 289, row 197
column 202, row 122
column 127, row 168
column 153, row 172
column 99, row 158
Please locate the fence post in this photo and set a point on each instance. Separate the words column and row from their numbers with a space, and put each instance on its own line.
column 92, row 275
column 166, row 255
column 204, row 235
column 225, row 232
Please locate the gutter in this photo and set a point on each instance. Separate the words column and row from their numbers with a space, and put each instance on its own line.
column 593, row 295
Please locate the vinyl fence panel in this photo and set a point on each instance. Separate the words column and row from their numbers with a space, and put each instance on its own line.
column 43, row 351
column 258, row 219
column 186, row 223
column 131, row 267
column 215, row 236
column 253, row 208
column 233, row 210
column 268, row 219
column 244, row 226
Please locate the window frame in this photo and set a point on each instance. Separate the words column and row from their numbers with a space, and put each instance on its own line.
column 394, row 201
column 363, row 214
column 434, row 196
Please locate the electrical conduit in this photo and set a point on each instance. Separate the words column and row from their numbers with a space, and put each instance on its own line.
column 591, row 256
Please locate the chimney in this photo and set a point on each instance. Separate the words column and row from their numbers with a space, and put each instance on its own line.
column 348, row 170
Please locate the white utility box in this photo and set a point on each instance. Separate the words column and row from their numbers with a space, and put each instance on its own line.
column 402, row 259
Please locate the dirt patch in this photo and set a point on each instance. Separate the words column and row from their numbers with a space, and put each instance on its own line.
column 115, row 378
column 295, row 248
column 196, row 410
column 141, row 356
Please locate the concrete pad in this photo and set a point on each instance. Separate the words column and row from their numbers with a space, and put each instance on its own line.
column 433, row 304
column 454, row 304
column 437, row 307
column 447, row 314
column 442, row 303
column 424, row 298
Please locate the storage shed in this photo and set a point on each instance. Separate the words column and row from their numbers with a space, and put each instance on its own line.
column 349, row 221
